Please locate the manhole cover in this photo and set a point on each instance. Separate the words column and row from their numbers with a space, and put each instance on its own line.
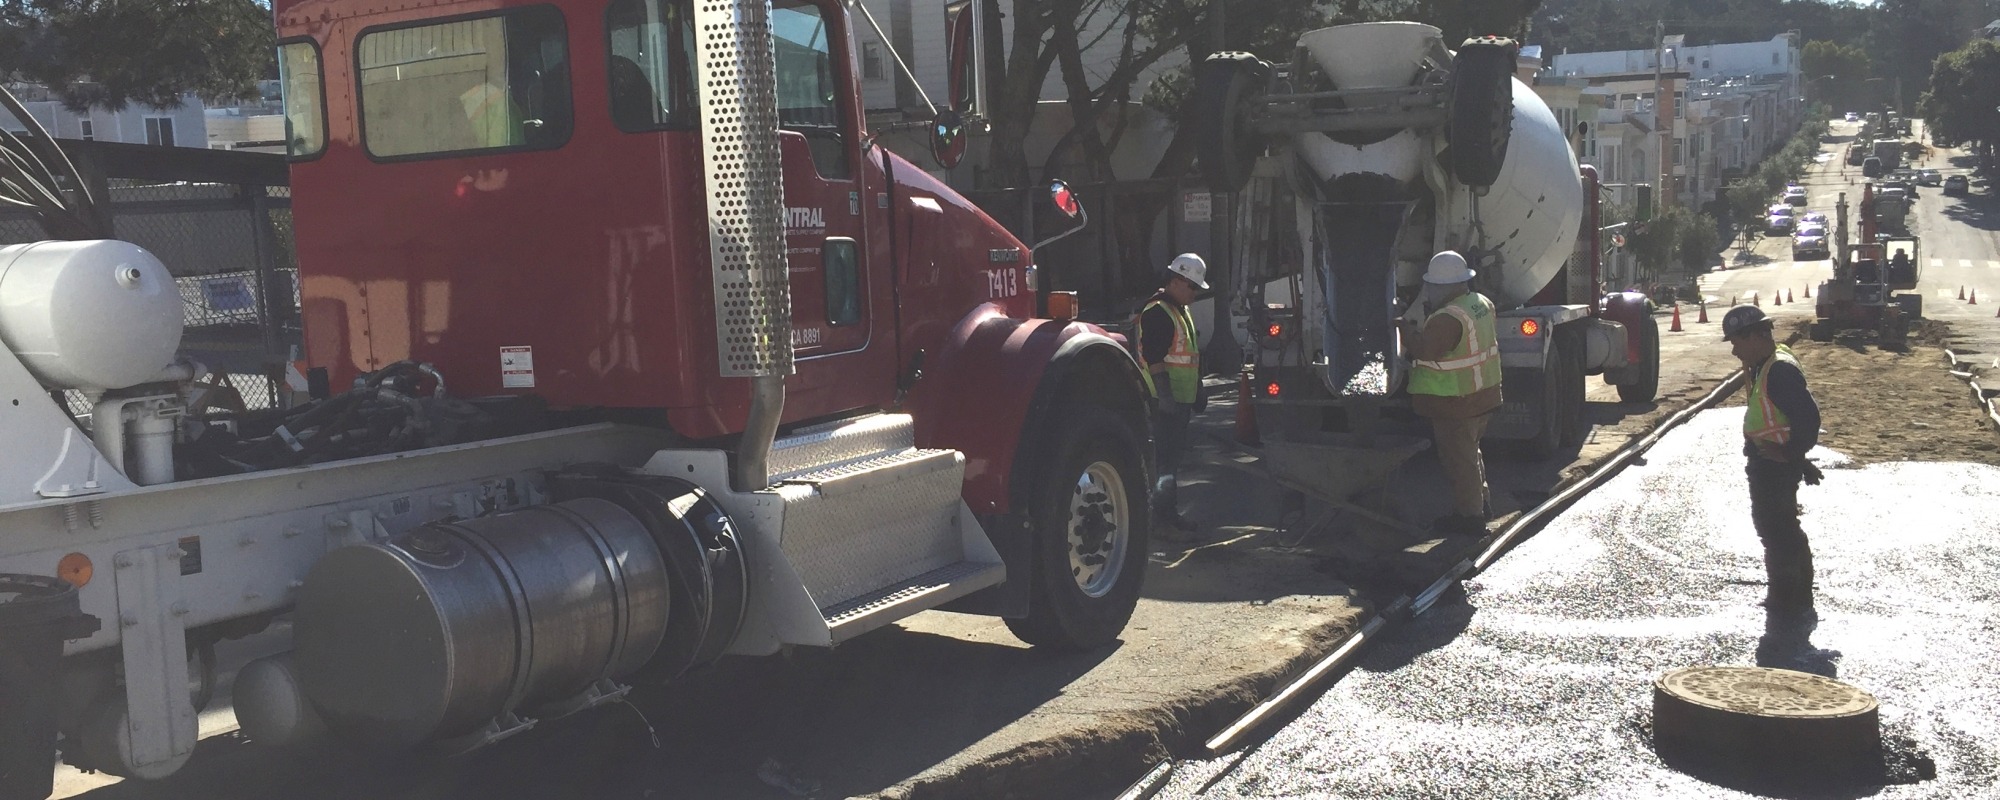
column 1756, row 726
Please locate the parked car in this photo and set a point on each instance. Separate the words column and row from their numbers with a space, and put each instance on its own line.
column 1813, row 218
column 1957, row 185
column 1809, row 243
column 1853, row 117
column 1929, row 177
column 1871, row 167
column 1795, row 195
column 1779, row 221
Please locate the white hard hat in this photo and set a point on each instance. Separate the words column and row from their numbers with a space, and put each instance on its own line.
column 1448, row 267
column 1191, row 267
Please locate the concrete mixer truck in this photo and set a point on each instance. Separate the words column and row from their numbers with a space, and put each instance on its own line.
column 1373, row 149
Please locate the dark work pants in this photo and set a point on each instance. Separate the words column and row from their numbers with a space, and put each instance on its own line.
column 1170, row 428
column 1774, row 509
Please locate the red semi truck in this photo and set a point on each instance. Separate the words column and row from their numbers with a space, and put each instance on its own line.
column 628, row 347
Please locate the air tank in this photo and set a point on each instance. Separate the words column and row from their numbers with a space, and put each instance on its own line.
column 101, row 314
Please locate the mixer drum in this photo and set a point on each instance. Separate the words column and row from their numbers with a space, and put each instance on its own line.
column 436, row 631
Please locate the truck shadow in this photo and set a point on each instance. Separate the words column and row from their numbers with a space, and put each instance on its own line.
column 1978, row 211
column 829, row 722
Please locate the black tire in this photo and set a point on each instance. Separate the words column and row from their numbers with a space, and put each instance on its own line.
column 1482, row 109
column 1569, row 351
column 1061, row 614
column 1642, row 382
column 1225, row 148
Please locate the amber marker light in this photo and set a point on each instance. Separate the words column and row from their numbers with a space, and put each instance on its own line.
column 1530, row 327
column 75, row 568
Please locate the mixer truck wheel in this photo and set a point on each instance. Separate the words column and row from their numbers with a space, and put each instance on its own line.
column 1091, row 525
column 1482, row 109
column 1643, row 378
column 1225, row 147
column 1570, row 389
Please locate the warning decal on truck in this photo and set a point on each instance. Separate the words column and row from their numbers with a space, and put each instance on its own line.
column 517, row 367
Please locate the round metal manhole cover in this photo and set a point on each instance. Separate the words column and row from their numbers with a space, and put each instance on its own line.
column 1763, row 729
column 1766, row 692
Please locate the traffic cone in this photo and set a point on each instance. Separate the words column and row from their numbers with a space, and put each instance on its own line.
column 1808, row 291
column 1704, row 312
column 1975, row 298
column 1246, row 416
column 1732, row 301
column 1777, row 298
column 1961, row 291
column 1788, row 296
column 1757, row 300
column 1677, row 319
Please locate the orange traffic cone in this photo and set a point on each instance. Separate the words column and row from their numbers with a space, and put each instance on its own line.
column 1246, row 416
column 1961, row 291
column 1757, row 300
column 1808, row 291
column 1677, row 319
column 1975, row 298
column 1732, row 301
column 1788, row 296
column 1704, row 312
column 1777, row 298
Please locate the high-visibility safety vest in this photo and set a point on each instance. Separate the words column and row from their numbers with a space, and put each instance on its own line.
column 1183, row 363
column 1473, row 363
column 1763, row 422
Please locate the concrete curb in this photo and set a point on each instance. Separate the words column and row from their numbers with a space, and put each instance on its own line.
column 1988, row 400
column 1128, row 742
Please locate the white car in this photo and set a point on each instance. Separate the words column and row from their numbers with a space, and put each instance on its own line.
column 1853, row 117
column 1812, row 217
column 1795, row 195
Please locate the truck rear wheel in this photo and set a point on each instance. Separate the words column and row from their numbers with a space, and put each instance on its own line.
column 1643, row 378
column 1226, row 149
column 1482, row 109
column 1091, row 523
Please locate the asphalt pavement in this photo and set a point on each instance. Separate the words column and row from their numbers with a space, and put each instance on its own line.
column 1537, row 683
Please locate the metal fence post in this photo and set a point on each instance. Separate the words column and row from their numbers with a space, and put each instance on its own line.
column 267, row 316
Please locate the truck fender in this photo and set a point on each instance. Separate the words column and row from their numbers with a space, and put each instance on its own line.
column 998, row 383
column 1629, row 309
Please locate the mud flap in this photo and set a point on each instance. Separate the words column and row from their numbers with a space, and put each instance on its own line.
column 1519, row 416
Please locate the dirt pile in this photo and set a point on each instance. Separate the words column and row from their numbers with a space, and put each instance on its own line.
column 1894, row 405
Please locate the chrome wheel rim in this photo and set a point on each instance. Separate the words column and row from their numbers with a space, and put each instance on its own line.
column 1099, row 529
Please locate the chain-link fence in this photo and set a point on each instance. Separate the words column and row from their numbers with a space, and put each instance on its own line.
column 221, row 223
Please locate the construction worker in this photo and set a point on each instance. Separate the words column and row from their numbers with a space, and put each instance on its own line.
column 1455, row 381
column 1780, row 425
column 1900, row 262
column 1169, row 349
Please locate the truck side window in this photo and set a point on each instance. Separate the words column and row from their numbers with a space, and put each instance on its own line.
column 808, row 84
column 305, row 112
column 490, row 83
column 843, row 282
column 652, row 64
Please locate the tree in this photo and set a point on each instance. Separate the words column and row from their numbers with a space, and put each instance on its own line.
column 109, row 53
column 1964, row 92
column 1836, row 73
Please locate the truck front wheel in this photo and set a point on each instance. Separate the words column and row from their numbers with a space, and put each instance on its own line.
column 1091, row 525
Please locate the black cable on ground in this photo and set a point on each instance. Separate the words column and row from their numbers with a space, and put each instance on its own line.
column 1406, row 606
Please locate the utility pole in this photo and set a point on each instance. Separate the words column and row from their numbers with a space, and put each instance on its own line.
column 1663, row 105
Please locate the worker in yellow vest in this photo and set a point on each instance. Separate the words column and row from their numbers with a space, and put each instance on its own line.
column 1455, row 381
column 1170, row 352
column 1780, row 425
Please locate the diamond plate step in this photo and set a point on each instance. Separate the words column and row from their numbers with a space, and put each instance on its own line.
column 921, row 593
column 817, row 447
column 852, row 529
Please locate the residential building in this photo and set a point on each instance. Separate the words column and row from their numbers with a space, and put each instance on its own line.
column 184, row 126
